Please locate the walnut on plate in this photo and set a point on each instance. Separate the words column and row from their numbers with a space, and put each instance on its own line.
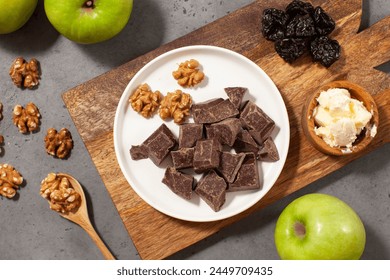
column 10, row 180
column 188, row 74
column 59, row 193
column 58, row 144
column 25, row 74
column 26, row 119
column 176, row 105
column 145, row 101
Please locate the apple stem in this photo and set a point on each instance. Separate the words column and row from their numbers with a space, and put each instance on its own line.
column 89, row 4
column 300, row 229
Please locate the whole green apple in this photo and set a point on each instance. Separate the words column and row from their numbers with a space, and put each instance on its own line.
column 88, row 21
column 15, row 13
column 319, row 227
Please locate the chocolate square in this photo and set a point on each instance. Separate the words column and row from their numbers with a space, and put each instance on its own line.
column 258, row 123
column 216, row 113
column 206, row 155
column 183, row 158
column 212, row 189
column 229, row 165
column 236, row 95
column 189, row 133
column 157, row 146
column 225, row 131
column 180, row 183
column 248, row 176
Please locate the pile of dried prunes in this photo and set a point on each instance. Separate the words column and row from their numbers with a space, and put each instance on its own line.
column 299, row 28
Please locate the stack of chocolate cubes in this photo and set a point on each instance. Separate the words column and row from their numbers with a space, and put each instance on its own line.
column 223, row 144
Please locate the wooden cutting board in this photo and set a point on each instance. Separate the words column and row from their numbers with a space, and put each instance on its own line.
column 156, row 235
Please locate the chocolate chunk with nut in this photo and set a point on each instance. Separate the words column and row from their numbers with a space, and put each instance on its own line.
column 207, row 155
column 10, row 180
column 212, row 189
column 58, row 144
column 269, row 152
column 189, row 133
column 247, row 176
column 183, row 158
column 236, row 95
column 157, row 146
column 60, row 194
column 218, row 112
column 257, row 122
column 25, row 74
column 180, row 183
column 26, row 119
column 229, row 165
column 225, row 131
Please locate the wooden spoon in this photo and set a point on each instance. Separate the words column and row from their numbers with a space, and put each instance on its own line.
column 81, row 217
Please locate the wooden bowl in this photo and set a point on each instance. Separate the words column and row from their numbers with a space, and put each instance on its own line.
column 365, row 137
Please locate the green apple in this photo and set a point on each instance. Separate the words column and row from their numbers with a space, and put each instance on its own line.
column 319, row 227
column 88, row 21
column 15, row 13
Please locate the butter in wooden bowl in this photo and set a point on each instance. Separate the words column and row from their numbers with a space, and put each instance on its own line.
column 340, row 118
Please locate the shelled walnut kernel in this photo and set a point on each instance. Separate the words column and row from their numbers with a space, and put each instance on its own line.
column 176, row 105
column 25, row 74
column 145, row 101
column 60, row 193
column 26, row 119
column 188, row 74
column 58, row 144
column 10, row 180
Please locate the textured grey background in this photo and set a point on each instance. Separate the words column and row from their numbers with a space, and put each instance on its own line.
column 29, row 230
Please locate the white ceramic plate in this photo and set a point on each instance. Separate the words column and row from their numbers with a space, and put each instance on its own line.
column 223, row 68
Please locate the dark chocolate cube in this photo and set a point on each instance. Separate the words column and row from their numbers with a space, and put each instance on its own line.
column 183, row 158
column 180, row 183
column 225, row 131
column 248, row 176
column 157, row 146
column 189, row 133
column 212, row 189
column 269, row 152
column 258, row 123
column 236, row 94
column 206, row 155
column 138, row 152
column 212, row 114
column 245, row 143
column 229, row 165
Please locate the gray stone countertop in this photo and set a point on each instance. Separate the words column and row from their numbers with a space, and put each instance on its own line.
column 30, row 230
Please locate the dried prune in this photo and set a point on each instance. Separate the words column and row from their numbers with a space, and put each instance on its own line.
column 323, row 22
column 301, row 26
column 298, row 7
column 325, row 50
column 290, row 48
column 273, row 24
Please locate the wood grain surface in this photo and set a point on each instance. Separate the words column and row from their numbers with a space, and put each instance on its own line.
column 156, row 235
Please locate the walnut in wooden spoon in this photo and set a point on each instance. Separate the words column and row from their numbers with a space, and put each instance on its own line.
column 81, row 217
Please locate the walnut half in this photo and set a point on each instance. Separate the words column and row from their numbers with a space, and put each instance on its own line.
column 26, row 119
column 58, row 144
column 188, row 74
column 176, row 105
column 145, row 101
column 25, row 74
column 60, row 193
column 10, row 180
